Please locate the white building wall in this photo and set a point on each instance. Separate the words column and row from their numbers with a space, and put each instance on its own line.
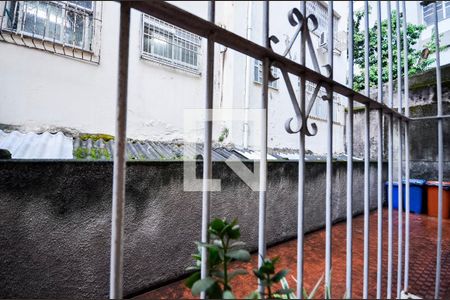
column 42, row 90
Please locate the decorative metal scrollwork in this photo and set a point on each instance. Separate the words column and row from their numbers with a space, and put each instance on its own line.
column 296, row 19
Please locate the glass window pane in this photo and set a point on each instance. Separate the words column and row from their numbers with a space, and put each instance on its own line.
column 85, row 4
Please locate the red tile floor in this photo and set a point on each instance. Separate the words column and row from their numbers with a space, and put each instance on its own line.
column 422, row 261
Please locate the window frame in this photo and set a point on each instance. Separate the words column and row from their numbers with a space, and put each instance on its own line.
column 179, row 36
column 429, row 11
column 89, row 17
column 257, row 74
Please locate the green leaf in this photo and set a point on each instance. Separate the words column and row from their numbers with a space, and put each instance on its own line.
column 284, row 291
column 202, row 285
column 236, row 272
column 316, row 287
column 259, row 274
column 277, row 277
column 228, row 295
column 237, row 244
column 214, row 292
column 189, row 282
column 218, row 273
column 217, row 225
column 234, row 232
column 305, row 294
column 240, row 255
column 253, row 296
column 193, row 268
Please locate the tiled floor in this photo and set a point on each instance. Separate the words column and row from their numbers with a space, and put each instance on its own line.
column 422, row 261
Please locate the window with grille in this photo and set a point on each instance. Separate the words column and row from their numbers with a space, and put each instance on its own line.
column 68, row 23
column 443, row 12
column 258, row 75
column 170, row 45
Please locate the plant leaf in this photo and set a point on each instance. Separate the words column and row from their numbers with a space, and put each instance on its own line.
column 277, row 277
column 240, row 255
column 228, row 295
column 189, row 282
column 217, row 225
column 316, row 287
column 193, row 268
column 284, row 291
column 236, row 272
column 237, row 244
column 202, row 285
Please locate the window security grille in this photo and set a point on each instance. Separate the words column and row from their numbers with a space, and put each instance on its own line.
column 443, row 12
column 170, row 45
column 63, row 27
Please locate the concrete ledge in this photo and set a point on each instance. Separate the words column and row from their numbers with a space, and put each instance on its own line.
column 55, row 225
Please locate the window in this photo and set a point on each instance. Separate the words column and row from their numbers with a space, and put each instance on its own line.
column 320, row 107
column 443, row 12
column 258, row 75
column 69, row 23
column 321, row 12
column 168, row 44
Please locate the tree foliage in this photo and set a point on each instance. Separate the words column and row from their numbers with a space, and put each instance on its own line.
column 416, row 63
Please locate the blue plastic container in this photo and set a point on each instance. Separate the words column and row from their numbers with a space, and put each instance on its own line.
column 416, row 195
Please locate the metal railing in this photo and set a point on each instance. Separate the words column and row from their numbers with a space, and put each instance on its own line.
column 298, row 18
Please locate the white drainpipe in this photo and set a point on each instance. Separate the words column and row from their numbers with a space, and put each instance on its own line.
column 247, row 76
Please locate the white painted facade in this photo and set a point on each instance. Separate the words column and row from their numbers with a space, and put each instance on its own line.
column 41, row 90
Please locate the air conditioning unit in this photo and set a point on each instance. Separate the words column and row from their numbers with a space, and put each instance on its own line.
column 339, row 42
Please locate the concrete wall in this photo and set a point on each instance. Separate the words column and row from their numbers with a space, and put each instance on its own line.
column 55, row 224
column 423, row 134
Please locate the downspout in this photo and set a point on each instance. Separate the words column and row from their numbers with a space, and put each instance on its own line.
column 247, row 76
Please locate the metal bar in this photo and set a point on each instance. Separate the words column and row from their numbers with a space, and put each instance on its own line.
column 329, row 174
column 379, row 159
column 301, row 166
column 190, row 22
column 118, row 197
column 440, row 155
column 400, row 154
column 430, row 118
column 390, row 156
column 348, row 273
column 263, row 145
column 207, row 141
column 407, row 172
column 366, row 154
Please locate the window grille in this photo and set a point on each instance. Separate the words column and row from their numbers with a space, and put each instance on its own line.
column 170, row 45
column 63, row 27
column 258, row 75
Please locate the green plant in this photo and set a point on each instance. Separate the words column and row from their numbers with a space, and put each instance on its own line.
column 223, row 248
column 224, row 134
column 93, row 153
column 416, row 64
column 268, row 278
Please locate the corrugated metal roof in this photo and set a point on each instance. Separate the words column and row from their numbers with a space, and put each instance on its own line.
column 58, row 146
column 40, row 146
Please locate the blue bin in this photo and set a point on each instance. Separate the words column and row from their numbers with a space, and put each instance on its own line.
column 416, row 195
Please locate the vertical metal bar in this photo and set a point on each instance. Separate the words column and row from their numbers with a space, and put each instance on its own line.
column 440, row 155
column 407, row 195
column 366, row 153
column 207, row 141
column 379, row 158
column 301, row 166
column 348, row 280
column 390, row 155
column 400, row 154
column 328, row 193
column 118, row 195
column 263, row 159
